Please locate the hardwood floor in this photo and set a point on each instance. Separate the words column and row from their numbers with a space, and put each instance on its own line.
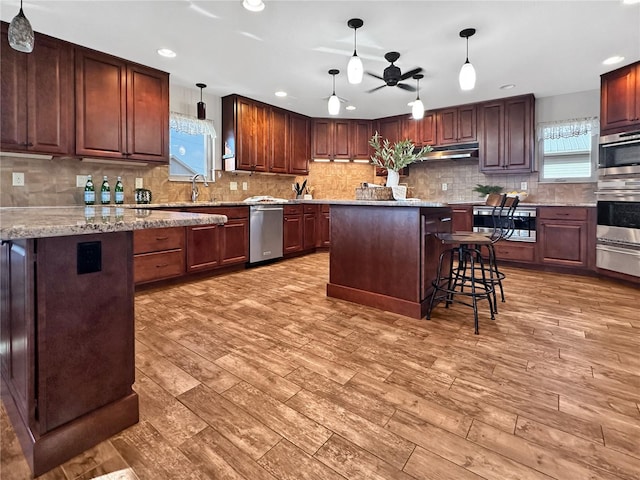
column 258, row 375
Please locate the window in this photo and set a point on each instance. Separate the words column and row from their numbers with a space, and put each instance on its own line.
column 190, row 147
column 568, row 150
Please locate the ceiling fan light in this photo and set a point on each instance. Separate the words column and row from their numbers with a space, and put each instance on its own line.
column 417, row 109
column 20, row 33
column 253, row 5
column 355, row 70
column 334, row 105
column 467, row 77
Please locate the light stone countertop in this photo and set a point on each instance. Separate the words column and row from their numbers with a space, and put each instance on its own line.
column 40, row 222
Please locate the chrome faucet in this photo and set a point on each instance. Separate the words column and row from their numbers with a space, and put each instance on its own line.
column 194, row 188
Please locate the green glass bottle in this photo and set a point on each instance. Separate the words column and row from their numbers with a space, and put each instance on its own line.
column 89, row 192
column 105, row 191
column 119, row 192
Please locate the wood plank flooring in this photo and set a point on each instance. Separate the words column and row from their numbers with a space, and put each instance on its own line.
column 257, row 375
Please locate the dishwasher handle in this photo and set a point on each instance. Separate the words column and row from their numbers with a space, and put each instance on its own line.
column 267, row 209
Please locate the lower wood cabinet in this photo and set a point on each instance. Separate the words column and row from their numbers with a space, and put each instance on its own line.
column 310, row 221
column 203, row 247
column 515, row 251
column 159, row 253
column 461, row 218
column 292, row 229
column 323, row 237
column 566, row 236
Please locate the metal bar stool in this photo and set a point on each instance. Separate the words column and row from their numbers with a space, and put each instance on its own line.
column 469, row 279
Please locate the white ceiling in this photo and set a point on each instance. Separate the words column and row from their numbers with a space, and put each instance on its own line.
column 544, row 47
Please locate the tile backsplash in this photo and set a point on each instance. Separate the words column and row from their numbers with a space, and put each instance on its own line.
column 53, row 182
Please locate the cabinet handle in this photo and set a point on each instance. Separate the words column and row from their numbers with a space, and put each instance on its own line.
column 162, row 238
column 162, row 265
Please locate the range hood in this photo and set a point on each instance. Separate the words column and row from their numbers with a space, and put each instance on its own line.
column 453, row 152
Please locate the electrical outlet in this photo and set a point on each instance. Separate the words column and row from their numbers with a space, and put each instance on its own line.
column 139, row 183
column 81, row 180
column 245, row 185
column 444, row 187
column 523, row 186
column 18, row 179
column 233, row 185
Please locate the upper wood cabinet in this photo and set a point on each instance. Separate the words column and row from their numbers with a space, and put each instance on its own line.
column 620, row 99
column 299, row 144
column 360, row 136
column 122, row 109
column 506, row 129
column 427, row 129
column 331, row 138
column 389, row 128
column 456, row 125
column 280, row 150
column 37, row 97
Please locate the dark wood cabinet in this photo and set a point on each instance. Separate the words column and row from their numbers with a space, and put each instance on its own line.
column 331, row 138
column 280, row 150
column 323, row 237
column 122, row 109
column 292, row 229
column 67, row 343
column 389, row 128
column 360, row 136
column 456, row 125
column 410, row 129
column 427, row 129
column 159, row 253
column 461, row 218
column 251, row 134
column 300, row 144
column 507, row 134
column 36, row 104
column 565, row 236
column 309, row 228
column 203, row 247
column 620, row 99
column 234, row 241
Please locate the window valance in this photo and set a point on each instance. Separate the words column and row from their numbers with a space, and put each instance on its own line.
column 568, row 128
column 190, row 125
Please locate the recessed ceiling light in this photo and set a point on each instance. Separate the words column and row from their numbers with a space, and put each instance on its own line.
column 350, row 107
column 507, row 86
column 253, row 5
column 166, row 52
column 613, row 60
column 630, row 2
column 281, row 93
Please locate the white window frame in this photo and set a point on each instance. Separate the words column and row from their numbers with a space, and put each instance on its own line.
column 567, row 129
column 192, row 125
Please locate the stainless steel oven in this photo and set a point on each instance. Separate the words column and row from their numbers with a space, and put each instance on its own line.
column 618, row 229
column 524, row 222
column 619, row 154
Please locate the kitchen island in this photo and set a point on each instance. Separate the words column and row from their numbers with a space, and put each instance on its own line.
column 67, row 324
column 384, row 254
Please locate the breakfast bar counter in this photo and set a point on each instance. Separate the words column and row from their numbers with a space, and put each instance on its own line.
column 67, row 324
column 384, row 254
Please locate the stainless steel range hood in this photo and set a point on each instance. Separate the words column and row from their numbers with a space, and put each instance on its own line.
column 453, row 152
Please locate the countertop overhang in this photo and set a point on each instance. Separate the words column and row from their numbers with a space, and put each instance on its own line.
column 41, row 222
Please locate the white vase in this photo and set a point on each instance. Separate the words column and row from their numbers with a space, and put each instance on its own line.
column 393, row 178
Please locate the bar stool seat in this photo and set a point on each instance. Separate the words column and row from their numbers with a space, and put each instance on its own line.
column 469, row 279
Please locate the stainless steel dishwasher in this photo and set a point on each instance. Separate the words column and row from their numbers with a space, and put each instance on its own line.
column 265, row 232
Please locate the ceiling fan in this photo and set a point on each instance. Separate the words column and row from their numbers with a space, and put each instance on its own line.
column 392, row 76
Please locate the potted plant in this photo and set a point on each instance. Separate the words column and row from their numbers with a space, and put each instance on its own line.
column 395, row 157
column 485, row 190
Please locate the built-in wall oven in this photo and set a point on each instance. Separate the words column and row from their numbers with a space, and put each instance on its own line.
column 524, row 222
column 618, row 229
column 619, row 154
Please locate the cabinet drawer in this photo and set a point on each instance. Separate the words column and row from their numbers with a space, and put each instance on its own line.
column 562, row 213
column 157, row 239
column 324, row 208
column 293, row 209
column 515, row 251
column 310, row 208
column 232, row 212
column 148, row 267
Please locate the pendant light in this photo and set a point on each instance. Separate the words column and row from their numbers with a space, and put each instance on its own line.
column 355, row 69
column 20, row 33
column 334, row 101
column 467, row 77
column 202, row 107
column 417, row 108
column 253, row 5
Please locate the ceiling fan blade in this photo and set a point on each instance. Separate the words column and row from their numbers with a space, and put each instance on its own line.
column 406, row 87
column 377, row 88
column 375, row 76
column 410, row 73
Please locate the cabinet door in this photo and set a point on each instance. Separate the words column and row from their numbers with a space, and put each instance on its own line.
column 245, row 150
column 279, row 141
column 13, row 105
column 322, row 138
column 427, row 129
column 324, row 227
column 467, row 124
column 409, row 129
column 261, row 132
column 389, row 128
column 309, row 241
column 234, row 242
column 341, row 139
column 462, row 218
column 292, row 233
column 563, row 242
column 147, row 114
column 491, row 120
column 619, row 97
column 100, row 105
column 203, row 247
column 447, row 129
column 518, row 134
column 300, row 144
column 360, row 136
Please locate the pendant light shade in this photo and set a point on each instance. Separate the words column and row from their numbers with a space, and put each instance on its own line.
column 417, row 108
column 20, row 35
column 334, row 102
column 355, row 69
column 202, row 107
column 467, row 77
